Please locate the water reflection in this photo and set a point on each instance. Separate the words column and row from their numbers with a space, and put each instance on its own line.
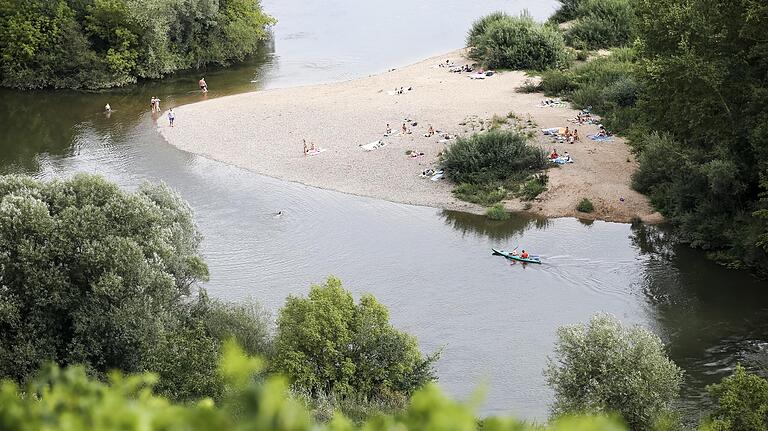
column 500, row 230
column 711, row 317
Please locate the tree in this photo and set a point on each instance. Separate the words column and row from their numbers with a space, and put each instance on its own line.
column 742, row 403
column 327, row 344
column 68, row 400
column 606, row 367
column 90, row 274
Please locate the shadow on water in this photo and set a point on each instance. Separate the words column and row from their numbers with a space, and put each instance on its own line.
column 498, row 230
column 711, row 317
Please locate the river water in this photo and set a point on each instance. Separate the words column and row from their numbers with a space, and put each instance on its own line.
column 495, row 322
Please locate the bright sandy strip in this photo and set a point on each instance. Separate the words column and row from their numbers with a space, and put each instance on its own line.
column 262, row 131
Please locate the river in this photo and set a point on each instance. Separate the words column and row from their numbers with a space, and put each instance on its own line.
column 433, row 269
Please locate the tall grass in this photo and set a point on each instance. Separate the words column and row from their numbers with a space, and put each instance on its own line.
column 505, row 42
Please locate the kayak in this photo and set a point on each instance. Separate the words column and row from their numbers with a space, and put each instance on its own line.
column 532, row 259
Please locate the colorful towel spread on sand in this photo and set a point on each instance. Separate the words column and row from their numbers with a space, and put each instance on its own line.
column 316, row 152
column 373, row 145
column 600, row 138
column 561, row 160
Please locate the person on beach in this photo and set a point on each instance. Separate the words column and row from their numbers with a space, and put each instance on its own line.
column 575, row 135
column 306, row 150
column 430, row 131
column 171, row 117
column 203, row 85
column 152, row 103
column 388, row 130
column 554, row 154
column 404, row 129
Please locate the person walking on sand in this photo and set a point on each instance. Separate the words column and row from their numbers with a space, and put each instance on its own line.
column 171, row 117
column 203, row 85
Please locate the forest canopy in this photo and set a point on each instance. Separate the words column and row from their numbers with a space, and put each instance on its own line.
column 93, row 44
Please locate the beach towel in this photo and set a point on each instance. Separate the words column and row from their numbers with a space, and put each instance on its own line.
column 373, row 145
column 438, row 176
column 600, row 138
column 551, row 131
column 477, row 76
column 561, row 160
column 316, row 152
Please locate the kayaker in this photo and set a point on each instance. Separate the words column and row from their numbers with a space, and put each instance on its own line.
column 513, row 252
column 524, row 254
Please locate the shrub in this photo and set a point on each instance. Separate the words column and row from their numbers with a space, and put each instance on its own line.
column 741, row 403
column 606, row 367
column 601, row 24
column 69, row 400
column 497, row 212
column 327, row 344
column 567, row 11
column 557, row 82
column 494, row 155
column 533, row 187
column 481, row 25
column 482, row 194
column 519, row 43
column 585, row 206
column 529, row 87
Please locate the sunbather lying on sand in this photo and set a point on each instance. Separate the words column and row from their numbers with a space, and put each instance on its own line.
column 430, row 132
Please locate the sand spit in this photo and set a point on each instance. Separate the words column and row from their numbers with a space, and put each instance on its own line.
column 263, row 131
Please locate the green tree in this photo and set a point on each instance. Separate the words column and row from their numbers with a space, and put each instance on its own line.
column 606, row 367
column 327, row 344
column 742, row 403
column 68, row 400
column 90, row 274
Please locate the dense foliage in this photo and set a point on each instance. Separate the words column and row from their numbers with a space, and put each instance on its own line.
column 606, row 367
column 103, row 43
column 490, row 156
column 707, row 62
column 327, row 344
column 606, row 85
column 68, row 400
column 96, row 276
column 741, row 403
column 505, row 42
column 601, row 24
column 692, row 95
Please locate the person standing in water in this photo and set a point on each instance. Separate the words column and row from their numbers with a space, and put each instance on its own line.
column 107, row 108
column 203, row 85
column 171, row 117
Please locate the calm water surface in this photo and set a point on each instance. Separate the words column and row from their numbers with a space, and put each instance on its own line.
column 495, row 322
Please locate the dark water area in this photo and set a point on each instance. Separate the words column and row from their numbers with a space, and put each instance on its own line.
column 433, row 269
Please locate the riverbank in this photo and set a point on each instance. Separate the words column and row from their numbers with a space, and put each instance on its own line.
column 263, row 132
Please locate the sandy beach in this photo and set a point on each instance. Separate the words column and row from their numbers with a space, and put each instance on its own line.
column 263, row 131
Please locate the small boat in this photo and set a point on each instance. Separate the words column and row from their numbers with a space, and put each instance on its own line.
column 531, row 259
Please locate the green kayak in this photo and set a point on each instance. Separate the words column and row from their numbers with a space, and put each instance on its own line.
column 530, row 259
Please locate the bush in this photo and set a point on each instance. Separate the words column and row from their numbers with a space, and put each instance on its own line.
column 69, row 400
column 482, row 194
column 601, row 24
column 585, row 206
column 491, row 156
column 533, row 187
column 605, row 367
column 567, row 11
column 557, row 82
column 481, row 25
column 518, row 43
column 529, row 87
column 741, row 403
column 327, row 344
column 497, row 212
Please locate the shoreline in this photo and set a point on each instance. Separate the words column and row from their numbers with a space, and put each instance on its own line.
column 262, row 132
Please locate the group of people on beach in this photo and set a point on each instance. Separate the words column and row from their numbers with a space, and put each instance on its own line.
column 554, row 156
column 154, row 103
column 571, row 136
